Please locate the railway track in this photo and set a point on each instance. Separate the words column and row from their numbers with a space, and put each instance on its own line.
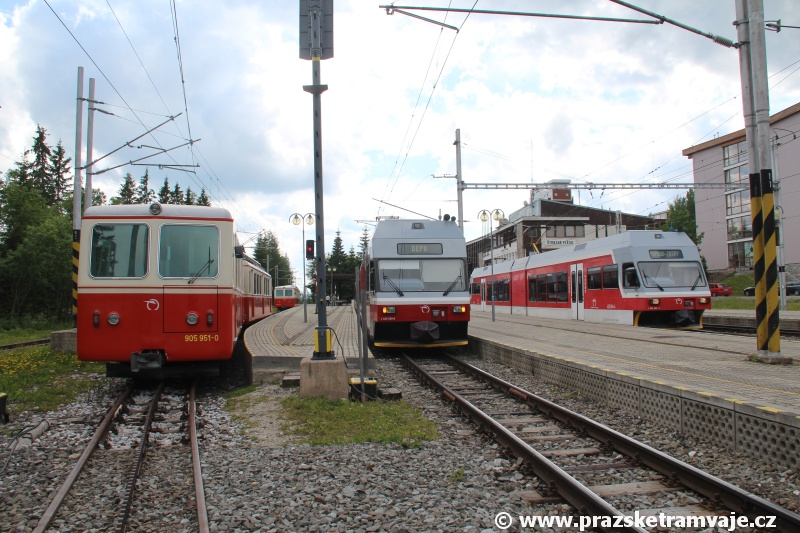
column 544, row 435
column 113, row 465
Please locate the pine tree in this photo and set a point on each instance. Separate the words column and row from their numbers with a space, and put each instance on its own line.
column 126, row 193
column 39, row 172
column 364, row 242
column 144, row 194
column 177, row 196
column 59, row 170
column 191, row 197
column 203, row 198
column 164, row 194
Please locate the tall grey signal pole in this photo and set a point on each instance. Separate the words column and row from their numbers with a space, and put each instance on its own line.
column 459, row 181
column 76, row 197
column 87, row 199
column 316, row 44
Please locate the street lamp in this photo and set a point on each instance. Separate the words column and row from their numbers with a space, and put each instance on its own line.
column 496, row 214
column 297, row 220
column 332, row 269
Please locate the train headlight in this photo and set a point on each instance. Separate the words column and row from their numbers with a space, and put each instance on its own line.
column 113, row 319
column 459, row 308
column 704, row 300
column 389, row 310
column 191, row 318
column 155, row 208
column 655, row 301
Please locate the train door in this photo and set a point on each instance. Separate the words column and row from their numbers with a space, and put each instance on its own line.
column 576, row 298
column 483, row 294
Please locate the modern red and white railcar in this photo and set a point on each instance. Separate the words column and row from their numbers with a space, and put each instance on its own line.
column 286, row 297
column 416, row 285
column 642, row 278
column 164, row 290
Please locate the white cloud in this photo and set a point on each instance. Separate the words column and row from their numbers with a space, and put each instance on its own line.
column 534, row 99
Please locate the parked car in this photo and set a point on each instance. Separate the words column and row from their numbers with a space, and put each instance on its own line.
column 792, row 288
column 720, row 289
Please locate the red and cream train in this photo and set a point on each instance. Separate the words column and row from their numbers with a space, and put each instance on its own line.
column 643, row 278
column 165, row 289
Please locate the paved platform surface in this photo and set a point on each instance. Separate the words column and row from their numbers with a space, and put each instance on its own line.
column 712, row 363
column 790, row 320
column 279, row 342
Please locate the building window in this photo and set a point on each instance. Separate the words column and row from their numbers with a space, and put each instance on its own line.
column 734, row 154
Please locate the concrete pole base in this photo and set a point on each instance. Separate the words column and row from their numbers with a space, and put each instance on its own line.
column 325, row 378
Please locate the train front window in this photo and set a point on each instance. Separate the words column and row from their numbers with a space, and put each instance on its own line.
column 119, row 251
column 427, row 275
column 188, row 252
column 663, row 274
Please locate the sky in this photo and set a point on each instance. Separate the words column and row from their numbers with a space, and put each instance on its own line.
column 534, row 99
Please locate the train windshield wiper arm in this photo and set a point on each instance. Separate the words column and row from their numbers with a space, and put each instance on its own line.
column 696, row 281
column 646, row 277
column 206, row 265
column 395, row 287
column 450, row 288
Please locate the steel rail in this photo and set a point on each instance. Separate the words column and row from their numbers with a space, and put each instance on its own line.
column 574, row 492
column 47, row 517
column 199, row 491
column 136, row 466
column 713, row 488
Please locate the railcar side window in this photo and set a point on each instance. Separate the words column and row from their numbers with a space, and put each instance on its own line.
column 610, row 277
column 119, row 251
column 595, row 278
column 187, row 251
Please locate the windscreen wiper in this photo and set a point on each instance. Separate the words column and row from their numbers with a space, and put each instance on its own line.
column 206, row 265
column 646, row 277
column 395, row 287
column 450, row 288
column 696, row 281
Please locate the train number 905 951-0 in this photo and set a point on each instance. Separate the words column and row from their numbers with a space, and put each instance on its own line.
column 201, row 338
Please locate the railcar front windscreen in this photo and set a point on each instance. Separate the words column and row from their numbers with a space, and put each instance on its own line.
column 188, row 251
column 426, row 275
column 119, row 251
column 661, row 274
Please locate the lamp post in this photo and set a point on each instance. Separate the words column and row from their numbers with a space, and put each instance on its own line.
column 297, row 220
column 496, row 214
column 332, row 269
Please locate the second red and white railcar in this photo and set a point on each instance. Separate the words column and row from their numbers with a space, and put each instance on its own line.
column 164, row 290
column 286, row 297
column 643, row 278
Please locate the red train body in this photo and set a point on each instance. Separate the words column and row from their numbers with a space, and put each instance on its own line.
column 164, row 290
column 643, row 278
column 286, row 297
column 414, row 279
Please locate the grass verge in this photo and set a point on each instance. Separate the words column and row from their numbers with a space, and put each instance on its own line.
column 37, row 379
column 319, row 421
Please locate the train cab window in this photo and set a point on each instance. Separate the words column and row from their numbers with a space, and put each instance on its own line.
column 630, row 280
column 611, row 277
column 189, row 252
column 429, row 275
column 594, row 280
column 119, row 251
column 663, row 274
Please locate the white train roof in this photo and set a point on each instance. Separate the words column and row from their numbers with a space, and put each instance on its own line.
column 167, row 211
column 628, row 239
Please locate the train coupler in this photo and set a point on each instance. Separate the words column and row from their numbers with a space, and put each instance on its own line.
column 147, row 360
